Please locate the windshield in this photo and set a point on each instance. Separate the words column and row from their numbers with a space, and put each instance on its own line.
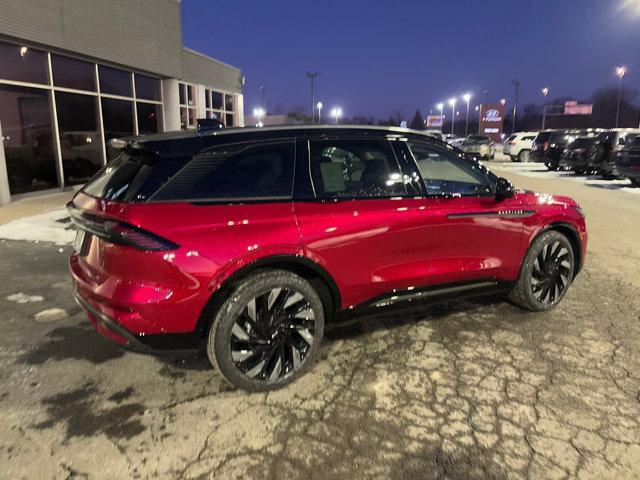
column 475, row 140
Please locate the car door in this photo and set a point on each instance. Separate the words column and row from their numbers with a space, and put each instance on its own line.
column 474, row 236
column 364, row 220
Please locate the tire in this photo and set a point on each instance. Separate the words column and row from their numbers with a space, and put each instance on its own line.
column 551, row 167
column 546, row 273
column 259, row 339
column 523, row 156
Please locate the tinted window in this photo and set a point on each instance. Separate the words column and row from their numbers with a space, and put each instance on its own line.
column 529, row 138
column 228, row 103
column 445, row 173
column 132, row 177
column 22, row 64
column 235, row 172
column 149, row 115
column 543, row 137
column 27, row 138
column 117, row 116
column 511, row 137
column 79, row 136
column 72, row 73
column 114, row 81
column 147, row 87
column 354, row 169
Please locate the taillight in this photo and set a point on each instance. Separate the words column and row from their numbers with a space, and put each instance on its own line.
column 138, row 238
column 119, row 232
column 545, row 146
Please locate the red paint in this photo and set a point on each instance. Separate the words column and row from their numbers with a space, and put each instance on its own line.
column 368, row 247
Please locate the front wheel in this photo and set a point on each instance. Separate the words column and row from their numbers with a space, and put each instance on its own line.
column 523, row 156
column 267, row 332
column 545, row 274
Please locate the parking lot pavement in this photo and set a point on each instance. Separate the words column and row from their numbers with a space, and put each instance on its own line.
column 471, row 390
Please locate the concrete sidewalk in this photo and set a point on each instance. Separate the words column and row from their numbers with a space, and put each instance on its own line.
column 34, row 206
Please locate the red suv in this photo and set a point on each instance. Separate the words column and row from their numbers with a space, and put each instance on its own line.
column 251, row 241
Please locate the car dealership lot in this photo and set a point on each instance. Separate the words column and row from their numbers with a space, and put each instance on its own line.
column 471, row 390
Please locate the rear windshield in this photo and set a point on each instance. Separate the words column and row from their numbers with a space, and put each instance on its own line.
column 132, row 177
column 543, row 137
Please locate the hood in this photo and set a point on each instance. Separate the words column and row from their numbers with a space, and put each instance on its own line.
column 528, row 197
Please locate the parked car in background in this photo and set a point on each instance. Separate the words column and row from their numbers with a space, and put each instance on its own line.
column 242, row 248
column 435, row 134
column 479, row 146
column 614, row 141
column 540, row 145
column 518, row 146
column 627, row 163
column 583, row 155
column 558, row 141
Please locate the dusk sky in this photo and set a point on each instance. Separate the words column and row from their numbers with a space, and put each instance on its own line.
column 375, row 57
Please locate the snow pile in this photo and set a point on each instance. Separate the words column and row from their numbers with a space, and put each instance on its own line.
column 53, row 226
column 24, row 298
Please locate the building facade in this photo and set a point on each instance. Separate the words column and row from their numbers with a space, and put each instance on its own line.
column 76, row 73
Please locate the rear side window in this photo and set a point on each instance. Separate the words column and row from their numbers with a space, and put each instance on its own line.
column 132, row 177
column 543, row 137
column 511, row 137
column 243, row 171
column 354, row 169
column 528, row 138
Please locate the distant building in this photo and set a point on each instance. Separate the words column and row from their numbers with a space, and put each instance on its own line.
column 252, row 121
column 72, row 78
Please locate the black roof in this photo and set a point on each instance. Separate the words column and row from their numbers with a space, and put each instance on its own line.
column 192, row 141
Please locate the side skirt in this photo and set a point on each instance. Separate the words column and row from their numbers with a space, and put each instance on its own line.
column 410, row 299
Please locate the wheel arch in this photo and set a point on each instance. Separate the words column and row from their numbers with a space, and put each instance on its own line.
column 319, row 278
column 572, row 235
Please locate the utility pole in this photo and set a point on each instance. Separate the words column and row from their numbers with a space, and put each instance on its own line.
column 312, row 76
column 516, row 84
column 620, row 71
column 545, row 92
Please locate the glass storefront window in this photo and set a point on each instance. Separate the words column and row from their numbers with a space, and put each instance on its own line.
column 182, row 90
column 79, row 136
column 207, row 98
column 149, row 116
column 147, row 88
column 27, row 138
column 228, row 120
column 216, row 100
column 228, row 103
column 191, row 95
column 114, row 81
column 22, row 64
column 72, row 73
column 117, row 118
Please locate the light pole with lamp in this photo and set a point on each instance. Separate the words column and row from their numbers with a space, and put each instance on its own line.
column 319, row 107
column 452, row 102
column 467, row 98
column 545, row 92
column 620, row 72
column 259, row 114
column 516, row 84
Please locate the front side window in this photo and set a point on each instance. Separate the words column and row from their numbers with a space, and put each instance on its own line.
column 247, row 171
column 354, row 169
column 445, row 173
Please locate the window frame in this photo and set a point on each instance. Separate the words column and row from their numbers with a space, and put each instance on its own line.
column 440, row 150
column 306, row 191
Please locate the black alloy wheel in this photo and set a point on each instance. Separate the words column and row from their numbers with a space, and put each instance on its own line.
column 272, row 335
column 546, row 272
column 551, row 273
column 267, row 331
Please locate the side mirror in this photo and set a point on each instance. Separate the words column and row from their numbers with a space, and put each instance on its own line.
column 504, row 189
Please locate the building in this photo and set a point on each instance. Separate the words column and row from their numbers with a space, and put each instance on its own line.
column 74, row 74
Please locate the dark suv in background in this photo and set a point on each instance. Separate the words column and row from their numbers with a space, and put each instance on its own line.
column 627, row 163
column 540, row 146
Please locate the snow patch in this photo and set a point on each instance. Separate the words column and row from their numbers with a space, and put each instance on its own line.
column 53, row 226
column 24, row 298
column 50, row 315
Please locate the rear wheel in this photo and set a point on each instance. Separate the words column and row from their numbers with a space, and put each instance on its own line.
column 523, row 156
column 267, row 332
column 546, row 273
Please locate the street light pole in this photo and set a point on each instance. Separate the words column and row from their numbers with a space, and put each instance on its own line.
column 516, row 84
column 452, row 102
column 545, row 92
column 262, row 91
column 319, row 106
column 312, row 76
column 440, row 107
column 467, row 98
column 620, row 71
